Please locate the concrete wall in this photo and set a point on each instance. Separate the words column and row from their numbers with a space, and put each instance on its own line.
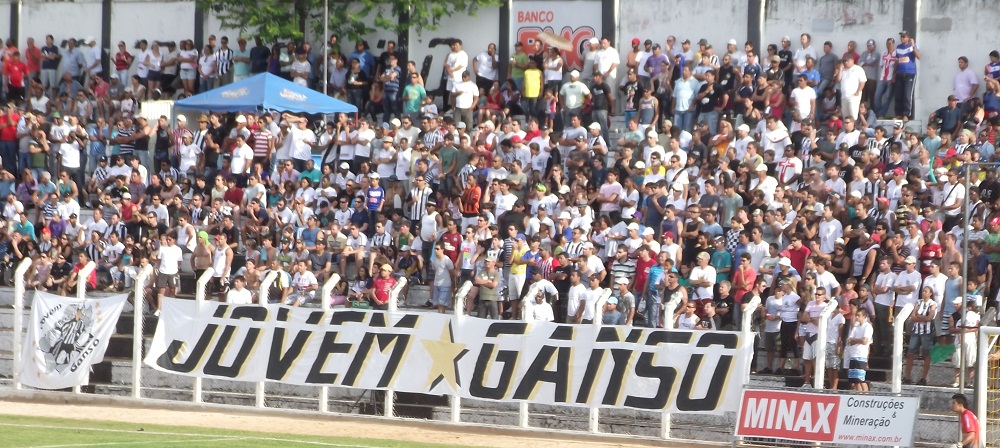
column 476, row 33
column 657, row 19
column 62, row 20
column 131, row 22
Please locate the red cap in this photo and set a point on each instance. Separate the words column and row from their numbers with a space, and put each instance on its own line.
column 670, row 235
column 995, row 221
column 876, row 238
column 897, row 170
column 883, row 200
column 46, row 230
column 516, row 139
column 635, row 41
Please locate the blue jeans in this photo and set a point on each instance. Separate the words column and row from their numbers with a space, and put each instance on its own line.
column 883, row 98
column 712, row 118
column 823, row 85
column 904, row 94
column 206, row 84
column 391, row 106
column 653, row 306
column 601, row 117
column 684, row 119
column 442, row 296
column 23, row 161
column 8, row 154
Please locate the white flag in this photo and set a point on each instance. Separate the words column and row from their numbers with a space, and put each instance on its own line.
column 66, row 336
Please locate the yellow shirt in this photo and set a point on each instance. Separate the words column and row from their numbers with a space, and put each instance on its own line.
column 532, row 83
column 520, row 269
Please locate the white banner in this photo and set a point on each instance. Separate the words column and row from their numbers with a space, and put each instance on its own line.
column 843, row 419
column 573, row 20
column 66, row 337
column 575, row 365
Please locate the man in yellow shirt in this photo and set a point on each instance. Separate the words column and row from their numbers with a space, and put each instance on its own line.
column 532, row 90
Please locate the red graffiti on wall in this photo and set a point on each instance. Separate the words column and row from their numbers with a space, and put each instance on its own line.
column 578, row 37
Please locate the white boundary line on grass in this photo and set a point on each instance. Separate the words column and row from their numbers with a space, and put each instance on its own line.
column 164, row 442
column 161, row 433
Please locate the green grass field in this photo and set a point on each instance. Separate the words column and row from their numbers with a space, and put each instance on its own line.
column 37, row 432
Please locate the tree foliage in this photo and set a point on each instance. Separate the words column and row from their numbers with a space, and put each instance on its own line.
column 275, row 20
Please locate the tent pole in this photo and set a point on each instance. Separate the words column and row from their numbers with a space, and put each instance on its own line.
column 326, row 35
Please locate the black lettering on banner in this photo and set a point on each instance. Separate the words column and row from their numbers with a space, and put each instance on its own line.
column 562, row 333
column 478, row 387
column 399, row 344
column 719, row 377
column 666, row 375
column 168, row 359
column 590, row 376
column 213, row 366
column 281, row 360
column 327, row 347
column 537, row 373
column 220, row 311
column 314, row 318
column 621, row 361
column 283, row 314
column 342, row 317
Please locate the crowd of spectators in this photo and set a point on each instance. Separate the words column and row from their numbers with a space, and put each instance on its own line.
column 778, row 174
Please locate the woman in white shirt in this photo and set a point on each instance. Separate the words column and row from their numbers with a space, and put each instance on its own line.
column 207, row 69
column 154, row 60
column 188, row 59
column 553, row 73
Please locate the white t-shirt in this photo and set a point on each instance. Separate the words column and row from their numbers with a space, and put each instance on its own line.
column 300, row 140
column 460, row 60
column 242, row 158
column 486, row 66
column 857, row 332
column 576, row 294
column 239, row 297
column 850, row 80
column 699, row 274
column 803, row 100
column 908, row 279
column 685, row 322
column 170, row 259
column 363, row 147
column 888, row 280
column 467, row 92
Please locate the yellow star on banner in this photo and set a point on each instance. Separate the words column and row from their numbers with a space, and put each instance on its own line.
column 445, row 354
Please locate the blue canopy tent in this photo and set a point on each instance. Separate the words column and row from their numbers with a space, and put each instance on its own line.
column 265, row 92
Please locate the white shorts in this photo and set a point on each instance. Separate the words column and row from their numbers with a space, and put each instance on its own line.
column 189, row 74
column 809, row 350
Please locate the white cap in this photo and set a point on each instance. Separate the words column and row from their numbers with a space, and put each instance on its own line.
column 640, row 165
column 743, row 127
column 838, row 241
column 819, row 208
column 565, row 215
column 395, row 122
column 594, row 125
column 182, row 118
column 784, row 261
column 733, row 42
column 648, row 231
column 574, row 74
column 621, row 280
column 678, row 187
column 114, row 75
column 856, row 194
column 241, row 119
column 345, row 166
column 910, row 260
column 373, row 176
column 588, row 245
column 653, row 134
column 564, row 189
column 594, row 40
column 127, row 196
column 388, row 139
column 761, row 167
column 633, row 226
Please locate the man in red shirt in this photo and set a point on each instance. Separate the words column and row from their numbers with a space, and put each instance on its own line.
column 798, row 253
column 33, row 57
column 16, row 72
column 967, row 421
column 381, row 287
column 451, row 240
column 8, row 139
column 71, row 283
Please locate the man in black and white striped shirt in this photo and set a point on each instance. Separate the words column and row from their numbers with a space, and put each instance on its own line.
column 417, row 200
column 224, row 64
